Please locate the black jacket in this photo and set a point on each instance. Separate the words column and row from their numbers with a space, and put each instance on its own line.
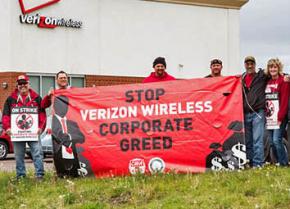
column 255, row 95
column 209, row 76
column 66, row 167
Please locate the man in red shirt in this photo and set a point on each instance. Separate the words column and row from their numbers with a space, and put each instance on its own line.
column 254, row 84
column 25, row 97
column 62, row 83
column 216, row 67
column 159, row 74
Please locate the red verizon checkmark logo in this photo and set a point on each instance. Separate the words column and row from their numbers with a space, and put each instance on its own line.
column 42, row 21
column 28, row 6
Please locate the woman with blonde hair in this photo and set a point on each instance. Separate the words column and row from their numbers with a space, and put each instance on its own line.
column 277, row 97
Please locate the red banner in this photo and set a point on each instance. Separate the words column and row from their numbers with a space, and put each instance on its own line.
column 182, row 126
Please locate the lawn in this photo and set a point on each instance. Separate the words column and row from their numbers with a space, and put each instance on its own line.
column 265, row 188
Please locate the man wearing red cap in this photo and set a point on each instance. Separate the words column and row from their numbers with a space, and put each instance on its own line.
column 25, row 97
column 159, row 73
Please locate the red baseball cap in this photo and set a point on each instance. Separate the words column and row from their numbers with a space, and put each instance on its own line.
column 22, row 79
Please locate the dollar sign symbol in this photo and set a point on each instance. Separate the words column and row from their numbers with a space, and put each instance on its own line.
column 231, row 165
column 216, row 164
column 82, row 171
column 239, row 151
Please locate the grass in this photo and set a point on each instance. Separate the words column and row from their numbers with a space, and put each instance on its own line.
column 265, row 188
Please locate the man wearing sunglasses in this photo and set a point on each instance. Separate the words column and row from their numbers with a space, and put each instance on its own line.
column 25, row 98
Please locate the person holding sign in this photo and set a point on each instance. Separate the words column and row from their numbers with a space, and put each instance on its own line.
column 254, row 85
column 277, row 96
column 24, row 120
column 159, row 74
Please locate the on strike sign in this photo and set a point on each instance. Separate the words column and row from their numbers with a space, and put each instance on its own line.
column 24, row 124
column 183, row 126
column 272, row 109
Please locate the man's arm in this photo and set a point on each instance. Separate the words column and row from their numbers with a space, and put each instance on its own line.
column 41, row 116
column 46, row 102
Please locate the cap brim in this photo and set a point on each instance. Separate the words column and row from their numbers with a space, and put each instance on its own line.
column 250, row 60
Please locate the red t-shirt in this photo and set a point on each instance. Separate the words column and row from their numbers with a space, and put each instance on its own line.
column 248, row 79
column 154, row 78
column 24, row 98
column 282, row 87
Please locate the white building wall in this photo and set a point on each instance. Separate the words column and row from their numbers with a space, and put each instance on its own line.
column 121, row 37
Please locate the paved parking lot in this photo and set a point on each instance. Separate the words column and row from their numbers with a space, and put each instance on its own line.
column 8, row 164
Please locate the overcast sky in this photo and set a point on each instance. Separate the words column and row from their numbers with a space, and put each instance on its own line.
column 265, row 31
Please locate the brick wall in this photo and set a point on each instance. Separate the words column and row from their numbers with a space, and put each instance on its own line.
column 95, row 80
column 91, row 80
column 10, row 79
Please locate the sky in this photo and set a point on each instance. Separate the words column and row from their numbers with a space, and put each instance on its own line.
column 265, row 31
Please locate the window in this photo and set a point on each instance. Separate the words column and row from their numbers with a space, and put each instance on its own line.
column 35, row 83
column 48, row 82
column 77, row 82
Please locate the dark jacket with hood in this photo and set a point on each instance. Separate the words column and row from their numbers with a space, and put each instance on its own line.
column 254, row 96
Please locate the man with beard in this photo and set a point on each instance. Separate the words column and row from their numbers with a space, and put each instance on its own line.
column 216, row 67
column 24, row 97
column 159, row 74
column 254, row 84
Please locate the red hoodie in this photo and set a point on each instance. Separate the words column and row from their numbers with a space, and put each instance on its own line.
column 12, row 101
column 153, row 78
column 282, row 87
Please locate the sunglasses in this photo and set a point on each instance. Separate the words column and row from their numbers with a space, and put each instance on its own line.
column 22, row 83
column 216, row 62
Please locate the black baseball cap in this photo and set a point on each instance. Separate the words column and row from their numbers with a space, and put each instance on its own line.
column 216, row 61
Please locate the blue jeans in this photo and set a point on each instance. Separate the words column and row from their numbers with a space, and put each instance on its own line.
column 254, row 133
column 276, row 142
column 37, row 156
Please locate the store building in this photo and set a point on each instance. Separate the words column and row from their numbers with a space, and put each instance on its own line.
column 106, row 42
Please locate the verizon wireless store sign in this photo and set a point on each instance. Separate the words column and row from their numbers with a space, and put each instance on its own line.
column 41, row 20
column 49, row 22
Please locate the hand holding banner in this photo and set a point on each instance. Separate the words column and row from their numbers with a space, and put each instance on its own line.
column 186, row 126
